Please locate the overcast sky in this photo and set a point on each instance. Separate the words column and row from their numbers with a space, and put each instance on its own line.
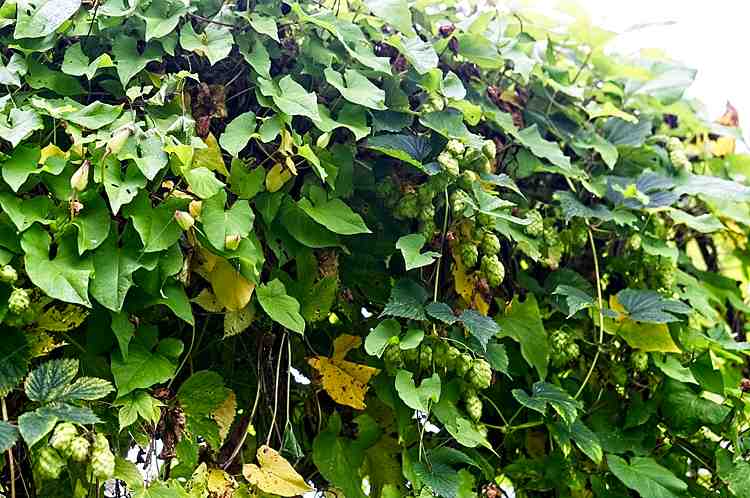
column 712, row 37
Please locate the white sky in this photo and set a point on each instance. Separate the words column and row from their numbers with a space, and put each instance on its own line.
column 712, row 37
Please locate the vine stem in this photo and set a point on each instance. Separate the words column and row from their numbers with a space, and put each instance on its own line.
column 442, row 246
column 601, row 315
column 11, row 464
column 276, row 390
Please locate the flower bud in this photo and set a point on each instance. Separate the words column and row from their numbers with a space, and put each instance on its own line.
column 80, row 178
column 232, row 242
column 184, row 219
column 195, row 208
column 116, row 143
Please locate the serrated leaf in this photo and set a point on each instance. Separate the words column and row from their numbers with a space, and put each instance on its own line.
column 407, row 301
column 481, row 327
column 575, row 298
column 141, row 370
column 442, row 312
column 412, row 149
column 345, row 381
column 410, row 247
column 15, row 356
column 543, row 394
column 86, row 388
column 686, row 411
column 650, row 307
column 8, row 436
column 48, row 381
column 646, row 477
column 34, row 425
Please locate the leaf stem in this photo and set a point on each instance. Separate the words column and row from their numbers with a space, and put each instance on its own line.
column 11, row 464
column 276, row 390
column 601, row 316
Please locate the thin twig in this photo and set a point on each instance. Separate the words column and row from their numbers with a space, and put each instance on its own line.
column 211, row 21
column 601, row 315
column 276, row 390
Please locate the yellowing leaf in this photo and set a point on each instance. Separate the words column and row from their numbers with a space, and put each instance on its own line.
column 344, row 381
column 277, row 177
column 224, row 415
column 466, row 286
column 210, row 157
column 219, row 482
column 649, row 337
column 207, row 300
column 50, row 150
column 723, row 146
column 61, row 317
column 275, row 475
column 231, row 289
column 345, row 343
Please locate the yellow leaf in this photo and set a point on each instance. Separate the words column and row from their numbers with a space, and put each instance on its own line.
column 466, row 286
column 344, row 381
column 275, row 475
column 277, row 177
column 231, row 289
column 210, row 157
column 207, row 300
column 224, row 415
column 61, row 317
column 219, row 482
column 649, row 337
column 236, row 322
column 50, row 150
column 723, row 146
column 345, row 343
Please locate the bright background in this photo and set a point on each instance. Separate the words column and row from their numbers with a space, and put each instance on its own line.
column 712, row 37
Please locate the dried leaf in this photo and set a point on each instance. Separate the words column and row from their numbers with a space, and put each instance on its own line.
column 224, row 415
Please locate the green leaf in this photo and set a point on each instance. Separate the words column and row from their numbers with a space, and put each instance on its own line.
column 482, row 328
column 257, row 56
column 92, row 117
column 685, row 411
column 646, row 477
column 334, row 214
column 523, row 323
column 410, row 247
column 124, row 331
column 412, row 149
column 202, row 393
column 357, row 88
column 130, row 61
column 218, row 223
column 497, row 356
column 713, row 188
column 121, row 188
column 38, row 18
column 22, row 163
column 451, row 87
column 18, row 125
column 543, row 394
column 11, row 74
column 420, row 54
column 650, row 307
column 407, row 301
column 76, row 63
column 335, row 457
column 245, row 183
column 417, row 398
column 532, row 139
column 394, row 12
column 351, row 117
column 575, row 298
column 411, row 339
column 704, row 223
column 237, row 133
column 49, row 381
column 156, row 226
column 92, row 222
column 8, row 436
column 450, row 124
column 148, row 153
column 214, row 43
column 281, row 307
column 381, row 336
column 621, row 133
column 16, row 355
column 672, row 368
column 86, row 388
column 303, row 228
column 203, row 182
column 290, row 97
column 263, row 25
column 25, row 212
column 478, row 49
column 736, row 474
column 573, row 208
column 138, row 404
column 34, row 425
column 113, row 271
column 142, row 369
column 442, row 312
column 66, row 277
column 162, row 17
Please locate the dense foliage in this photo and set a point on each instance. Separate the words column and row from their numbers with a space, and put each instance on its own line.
column 371, row 248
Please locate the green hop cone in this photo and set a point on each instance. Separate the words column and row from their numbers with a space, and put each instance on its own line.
column 392, row 359
column 463, row 364
column 79, row 449
column 427, row 213
column 459, row 201
column 480, row 374
column 489, row 149
column 619, row 374
column 62, row 436
column 639, row 360
column 408, row 208
column 469, row 254
column 427, row 229
column 455, row 147
column 102, row 459
column 485, row 220
column 425, row 194
column 449, row 164
column 8, row 274
column 490, row 243
column 492, row 269
column 440, row 354
column 473, row 159
column 50, row 463
column 467, row 179
column 19, row 301
column 452, row 357
column 486, row 166
column 482, row 429
column 473, row 405
column 410, row 355
column 536, row 227
column 563, row 348
column 635, row 241
column 425, row 356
